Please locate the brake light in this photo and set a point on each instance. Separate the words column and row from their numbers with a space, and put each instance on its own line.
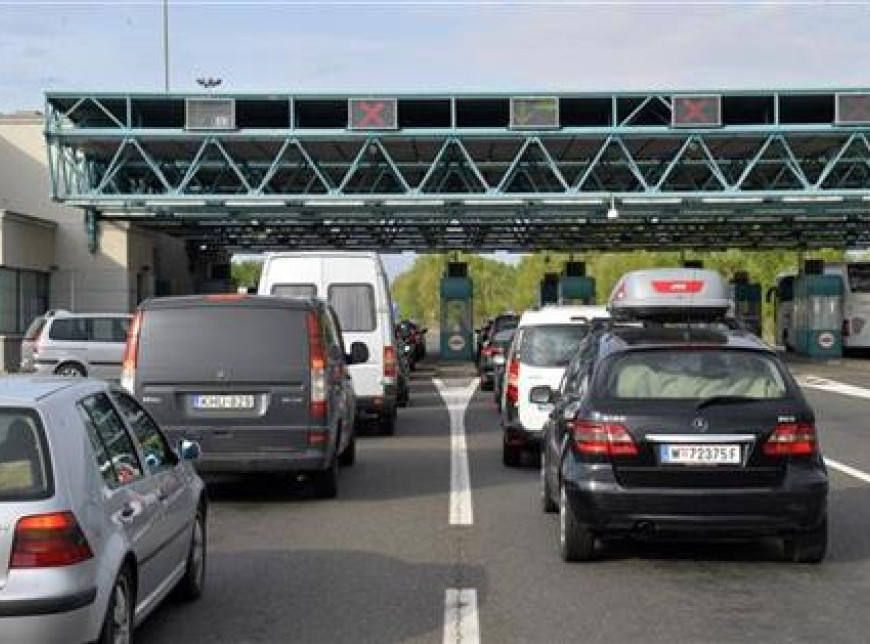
column 513, row 382
column 317, row 408
column 390, row 368
column 792, row 439
column 131, row 354
column 677, row 286
column 602, row 439
column 49, row 540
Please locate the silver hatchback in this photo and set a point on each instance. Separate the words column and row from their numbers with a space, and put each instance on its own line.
column 99, row 517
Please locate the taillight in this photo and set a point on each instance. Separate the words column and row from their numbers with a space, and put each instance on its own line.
column 390, row 369
column 49, row 540
column 512, row 391
column 602, row 439
column 318, row 367
column 792, row 439
column 131, row 354
column 487, row 352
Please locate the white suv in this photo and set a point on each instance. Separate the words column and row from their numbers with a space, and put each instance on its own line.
column 546, row 339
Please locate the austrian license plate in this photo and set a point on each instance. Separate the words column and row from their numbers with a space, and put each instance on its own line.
column 223, row 401
column 700, row 454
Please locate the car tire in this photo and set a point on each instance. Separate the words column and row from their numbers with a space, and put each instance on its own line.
column 387, row 422
column 326, row 481
column 547, row 504
column 809, row 547
column 576, row 541
column 511, row 455
column 348, row 456
column 70, row 370
column 192, row 584
column 118, row 621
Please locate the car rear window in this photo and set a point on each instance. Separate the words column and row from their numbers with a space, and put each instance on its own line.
column 355, row 306
column 25, row 468
column 295, row 290
column 243, row 343
column 34, row 329
column 693, row 374
column 551, row 345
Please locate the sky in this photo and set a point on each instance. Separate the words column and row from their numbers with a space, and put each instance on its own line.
column 346, row 46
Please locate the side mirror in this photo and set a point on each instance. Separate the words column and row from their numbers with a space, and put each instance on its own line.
column 189, row 450
column 541, row 395
column 359, row 353
column 498, row 359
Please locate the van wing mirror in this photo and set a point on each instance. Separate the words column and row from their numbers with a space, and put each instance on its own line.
column 188, row 450
column 359, row 353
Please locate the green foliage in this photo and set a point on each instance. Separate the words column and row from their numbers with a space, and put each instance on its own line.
column 247, row 273
column 499, row 286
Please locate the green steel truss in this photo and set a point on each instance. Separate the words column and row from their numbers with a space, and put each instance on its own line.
column 633, row 182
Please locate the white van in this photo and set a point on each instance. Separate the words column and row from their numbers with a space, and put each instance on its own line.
column 544, row 343
column 355, row 285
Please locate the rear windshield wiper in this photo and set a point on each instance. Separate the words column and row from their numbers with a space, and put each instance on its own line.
column 725, row 400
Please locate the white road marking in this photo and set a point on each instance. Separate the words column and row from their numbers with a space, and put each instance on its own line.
column 846, row 469
column 460, row 616
column 456, row 399
column 823, row 384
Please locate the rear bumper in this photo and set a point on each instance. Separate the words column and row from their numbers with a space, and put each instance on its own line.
column 518, row 436
column 67, row 618
column 378, row 404
column 799, row 504
column 240, row 463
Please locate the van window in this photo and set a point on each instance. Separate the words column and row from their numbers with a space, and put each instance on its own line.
column 108, row 329
column 69, row 330
column 25, row 470
column 294, row 290
column 248, row 343
column 355, row 306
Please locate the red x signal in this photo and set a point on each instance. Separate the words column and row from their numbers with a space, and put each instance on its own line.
column 700, row 110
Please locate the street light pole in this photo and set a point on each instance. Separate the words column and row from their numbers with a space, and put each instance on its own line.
column 166, row 45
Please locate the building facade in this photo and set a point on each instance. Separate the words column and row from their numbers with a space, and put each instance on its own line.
column 45, row 262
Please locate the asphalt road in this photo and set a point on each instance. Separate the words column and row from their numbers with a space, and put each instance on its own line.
column 374, row 565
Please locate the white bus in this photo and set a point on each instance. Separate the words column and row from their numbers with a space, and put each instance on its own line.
column 856, row 304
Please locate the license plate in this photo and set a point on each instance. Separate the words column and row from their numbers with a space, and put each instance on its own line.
column 223, row 401
column 700, row 454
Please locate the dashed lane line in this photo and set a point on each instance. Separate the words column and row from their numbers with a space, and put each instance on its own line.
column 456, row 399
column 460, row 616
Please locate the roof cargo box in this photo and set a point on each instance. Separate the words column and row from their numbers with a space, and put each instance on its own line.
column 670, row 294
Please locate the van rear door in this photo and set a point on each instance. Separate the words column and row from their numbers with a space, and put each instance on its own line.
column 356, row 305
column 233, row 375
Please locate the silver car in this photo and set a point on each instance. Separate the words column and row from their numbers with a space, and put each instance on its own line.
column 76, row 344
column 99, row 517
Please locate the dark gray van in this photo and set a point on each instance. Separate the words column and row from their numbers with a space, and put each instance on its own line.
column 261, row 383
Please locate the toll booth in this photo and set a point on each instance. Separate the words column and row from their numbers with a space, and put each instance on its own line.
column 575, row 287
column 457, row 321
column 818, row 312
column 747, row 301
column 549, row 289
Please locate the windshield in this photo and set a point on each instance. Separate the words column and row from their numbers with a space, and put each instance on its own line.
column 693, row 375
column 551, row 345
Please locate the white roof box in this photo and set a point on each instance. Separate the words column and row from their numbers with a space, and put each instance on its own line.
column 672, row 294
